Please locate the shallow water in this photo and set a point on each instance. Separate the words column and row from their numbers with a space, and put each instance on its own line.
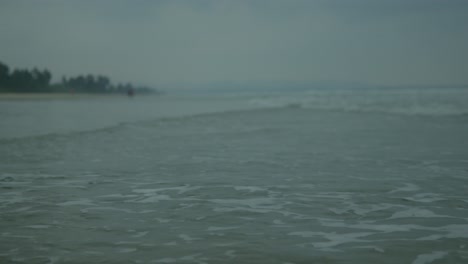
column 230, row 181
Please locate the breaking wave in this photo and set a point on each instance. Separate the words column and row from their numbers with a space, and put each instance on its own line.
column 430, row 102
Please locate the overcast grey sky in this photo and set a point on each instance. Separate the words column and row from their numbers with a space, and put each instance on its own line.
column 391, row 42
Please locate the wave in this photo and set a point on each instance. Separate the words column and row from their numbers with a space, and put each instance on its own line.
column 176, row 121
column 446, row 102
column 80, row 117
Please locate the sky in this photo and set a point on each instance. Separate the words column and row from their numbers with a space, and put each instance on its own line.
column 196, row 42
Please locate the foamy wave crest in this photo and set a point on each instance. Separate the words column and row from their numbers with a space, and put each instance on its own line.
column 433, row 102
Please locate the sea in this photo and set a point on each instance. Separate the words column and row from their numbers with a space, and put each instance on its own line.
column 314, row 176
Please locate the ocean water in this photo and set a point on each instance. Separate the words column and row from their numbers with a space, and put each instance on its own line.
column 337, row 176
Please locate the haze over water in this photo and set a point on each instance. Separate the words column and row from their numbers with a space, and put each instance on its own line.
column 288, row 132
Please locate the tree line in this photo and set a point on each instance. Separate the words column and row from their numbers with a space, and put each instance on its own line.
column 40, row 81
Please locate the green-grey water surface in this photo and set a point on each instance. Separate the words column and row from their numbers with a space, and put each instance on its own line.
column 220, row 182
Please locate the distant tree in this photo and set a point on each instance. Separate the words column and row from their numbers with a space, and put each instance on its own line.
column 103, row 83
column 45, row 78
column 4, row 77
column 21, row 81
column 88, row 83
column 41, row 80
column 4, row 71
column 35, row 80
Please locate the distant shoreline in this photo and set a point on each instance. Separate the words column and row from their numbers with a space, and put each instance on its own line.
column 54, row 96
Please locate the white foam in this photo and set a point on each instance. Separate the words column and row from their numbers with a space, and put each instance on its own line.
column 83, row 201
column 178, row 189
column 154, row 198
column 448, row 231
column 220, row 228
column 127, row 250
column 22, row 209
column 126, row 243
column 140, row 234
column 424, row 198
column 166, row 260
column 456, row 231
column 431, row 237
column 38, row 226
column 371, row 226
column 147, row 211
column 248, row 188
column 102, row 208
column 329, row 195
column 53, row 260
column 377, row 249
column 415, row 212
column 362, row 209
column 334, row 238
column 409, row 187
column 153, row 195
column 188, row 238
column 257, row 203
column 430, row 257
column 119, row 195
column 230, row 253
column 278, row 222
column 161, row 220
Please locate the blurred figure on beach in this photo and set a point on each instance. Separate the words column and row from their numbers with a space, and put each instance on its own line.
column 130, row 92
